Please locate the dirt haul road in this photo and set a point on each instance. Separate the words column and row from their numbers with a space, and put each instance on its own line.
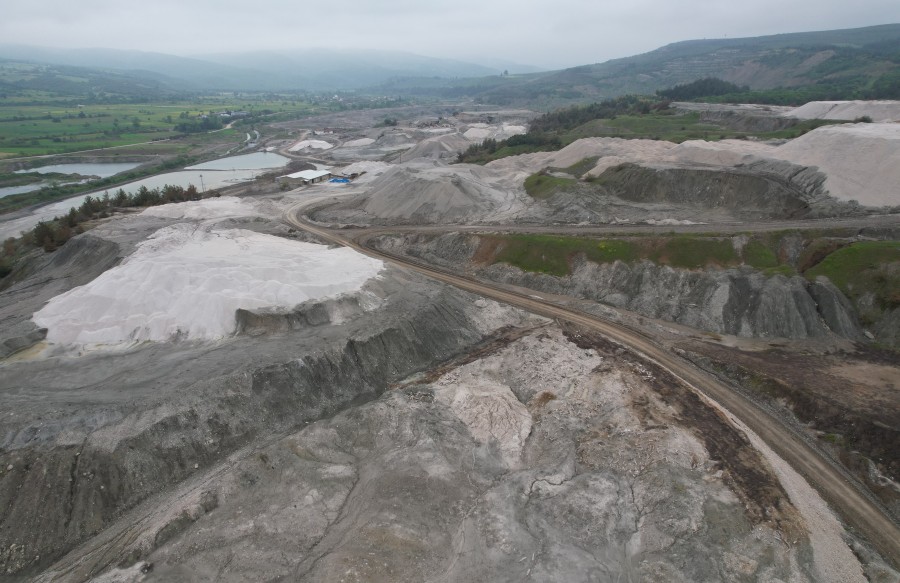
column 857, row 509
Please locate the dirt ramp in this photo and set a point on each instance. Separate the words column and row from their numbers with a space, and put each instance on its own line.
column 744, row 194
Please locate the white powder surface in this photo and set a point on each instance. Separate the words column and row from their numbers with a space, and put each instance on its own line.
column 210, row 208
column 358, row 143
column 186, row 282
column 370, row 170
column 848, row 110
column 310, row 145
column 861, row 161
column 477, row 133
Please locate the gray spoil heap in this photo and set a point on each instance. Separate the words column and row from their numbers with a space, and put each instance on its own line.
column 44, row 277
column 739, row 301
column 552, row 456
column 84, row 439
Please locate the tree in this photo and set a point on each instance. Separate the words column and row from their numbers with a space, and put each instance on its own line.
column 44, row 236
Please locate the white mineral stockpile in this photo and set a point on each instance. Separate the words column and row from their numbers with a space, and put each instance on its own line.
column 861, row 161
column 721, row 153
column 310, row 145
column 210, row 208
column 620, row 149
column 368, row 170
column 847, row 110
column 477, row 133
column 359, row 143
column 187, row 282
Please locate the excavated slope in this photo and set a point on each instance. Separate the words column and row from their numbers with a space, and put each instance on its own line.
column 847, row 110
column 738, row 301
column 861, row 161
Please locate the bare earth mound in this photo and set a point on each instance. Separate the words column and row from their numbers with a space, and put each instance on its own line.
column 849, row 110
column 427, row 194
column 862, row 161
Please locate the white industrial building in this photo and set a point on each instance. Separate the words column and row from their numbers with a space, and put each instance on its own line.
column 304, row 177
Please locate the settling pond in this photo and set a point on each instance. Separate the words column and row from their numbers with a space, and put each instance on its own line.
column 215, row 174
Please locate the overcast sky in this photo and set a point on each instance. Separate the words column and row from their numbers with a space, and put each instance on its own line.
column 548, row 33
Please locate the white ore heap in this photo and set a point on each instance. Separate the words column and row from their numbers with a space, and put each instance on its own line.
column 186, row 282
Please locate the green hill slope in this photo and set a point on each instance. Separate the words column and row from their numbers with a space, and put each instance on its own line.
column 844, row 61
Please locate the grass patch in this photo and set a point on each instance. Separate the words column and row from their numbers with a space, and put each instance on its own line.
column 696, row 252
column 758, row 255
column 536, row 253
column 866, row 266
column 580, row 168
column 659, row 126
column 543, row 185
column 785, row 270
column 553, row 255
column 677, row 128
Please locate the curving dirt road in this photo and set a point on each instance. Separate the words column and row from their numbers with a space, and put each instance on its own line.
column 849, row 499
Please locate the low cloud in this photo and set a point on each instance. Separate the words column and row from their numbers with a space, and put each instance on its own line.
column 551, row 34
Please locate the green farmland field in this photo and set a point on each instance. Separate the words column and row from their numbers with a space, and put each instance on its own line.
column 35, row 130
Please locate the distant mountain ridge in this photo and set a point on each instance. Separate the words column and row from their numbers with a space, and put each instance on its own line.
column 861, row 56
column 309, row 69
column 857, row 58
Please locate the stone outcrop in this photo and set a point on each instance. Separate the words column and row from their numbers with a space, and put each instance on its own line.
column 741, row 301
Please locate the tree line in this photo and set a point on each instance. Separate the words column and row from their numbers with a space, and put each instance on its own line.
column 52, row 234
column 545, row 132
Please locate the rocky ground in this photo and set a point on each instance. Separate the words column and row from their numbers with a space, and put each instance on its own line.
column 410, row 431
column 550, row 456
column 740, row 301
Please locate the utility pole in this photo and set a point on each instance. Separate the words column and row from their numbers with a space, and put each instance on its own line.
column 202, row 188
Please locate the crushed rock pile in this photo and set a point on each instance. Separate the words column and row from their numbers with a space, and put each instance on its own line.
column 478, row 132
column 435, row 194
column 429, row 193
column 445, row 146
column 861, row 161
column 187, row 283
column 311, row 145
column 848, row 110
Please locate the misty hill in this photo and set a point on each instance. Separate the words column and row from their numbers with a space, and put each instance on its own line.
column 842, row 59
column 838, row 64
column 307, row 69
column 37, row 83
column 345, row 69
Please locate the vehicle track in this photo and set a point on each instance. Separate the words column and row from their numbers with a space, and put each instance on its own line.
column 844, row 494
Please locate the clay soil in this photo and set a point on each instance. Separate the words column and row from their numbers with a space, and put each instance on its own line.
column 848, row 399
column 744, row 469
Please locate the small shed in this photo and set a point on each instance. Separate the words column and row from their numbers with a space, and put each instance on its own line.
column 304, row 177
